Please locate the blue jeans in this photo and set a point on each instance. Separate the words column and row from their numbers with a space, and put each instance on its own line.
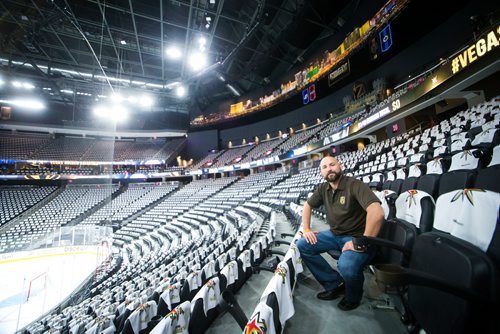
column 350, row 263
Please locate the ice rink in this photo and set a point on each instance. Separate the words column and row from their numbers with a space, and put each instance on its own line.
column 32, row 283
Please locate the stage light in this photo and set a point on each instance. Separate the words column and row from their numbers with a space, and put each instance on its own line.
column 232, row 89
column 115, row 113
column 100, row 111
column 197, row 61
column 27, row 85
column 174, row 53
column 132, row 99
column 180, row 91
column 26, row 104
column 146, row 101
column 117, row 97
column 118, row 113
column 123, row 42
column 17, row 84
column 202, row 40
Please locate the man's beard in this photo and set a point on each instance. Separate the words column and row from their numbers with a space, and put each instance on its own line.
column 333, row 177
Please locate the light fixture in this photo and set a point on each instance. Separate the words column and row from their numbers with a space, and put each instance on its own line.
column 26, row 104
column 232, row 89
column 117, row 113
column 202, row 40
column 117, row 97
column 146, row 101
column 17, row 84
column 180, row 91
column 123, row 42
column 174, row 52
column 197, row 61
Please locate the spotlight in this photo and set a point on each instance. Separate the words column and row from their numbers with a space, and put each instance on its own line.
column 202, row 40
column 174, row 53
column 233, row 90
column 118, row 113
column 123, row 42
column 117, row 97
column 132, row 99
column 146, row 101
column 197, row 61
column 180, row 91
column 17, row 84
column 26, row 104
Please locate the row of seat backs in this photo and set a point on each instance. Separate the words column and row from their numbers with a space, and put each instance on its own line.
column 458, row 257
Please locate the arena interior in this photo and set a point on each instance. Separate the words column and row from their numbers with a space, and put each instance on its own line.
column 155, row 157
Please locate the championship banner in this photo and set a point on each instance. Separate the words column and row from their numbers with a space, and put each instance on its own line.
column 339, row 73
column 385, row 36
column 5, row 113
column 482, row 47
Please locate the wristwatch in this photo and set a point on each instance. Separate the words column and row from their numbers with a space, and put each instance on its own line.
column 359, row 248
column 359, row 245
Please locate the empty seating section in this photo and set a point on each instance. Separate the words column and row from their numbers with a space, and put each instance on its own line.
column 171, row 207
column 299, row 138
column 231, row 156
column 43, row 147
column 207, row 161
column 298, row 185
column 181, row 246
column 63, row 148
column 136, row 197
column 21, row 146
column 69, row 204
column 138, row 149
column 17, row 199
column 244, row 190
column 262, row 150
column 102, row 150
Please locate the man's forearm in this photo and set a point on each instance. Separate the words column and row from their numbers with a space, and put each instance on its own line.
column 374, row 220
column 306, row 217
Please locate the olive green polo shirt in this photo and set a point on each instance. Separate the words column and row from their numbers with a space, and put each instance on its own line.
column 346, row 206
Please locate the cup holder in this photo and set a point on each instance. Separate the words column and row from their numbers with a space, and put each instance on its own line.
column 389, row 275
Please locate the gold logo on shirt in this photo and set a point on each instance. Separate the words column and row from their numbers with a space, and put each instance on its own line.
column 342, row 200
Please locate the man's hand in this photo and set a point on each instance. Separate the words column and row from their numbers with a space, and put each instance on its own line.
column 310, row 236
column 350, row 246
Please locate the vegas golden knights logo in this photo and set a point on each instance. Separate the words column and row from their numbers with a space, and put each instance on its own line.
column 256, row 325
column 411, row 197
column 467, row 193
column 358, row 90
column 282, row 272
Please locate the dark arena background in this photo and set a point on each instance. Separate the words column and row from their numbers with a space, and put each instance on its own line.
column 155, row 157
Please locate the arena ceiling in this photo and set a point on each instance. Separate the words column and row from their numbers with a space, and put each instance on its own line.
column 67, row 46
